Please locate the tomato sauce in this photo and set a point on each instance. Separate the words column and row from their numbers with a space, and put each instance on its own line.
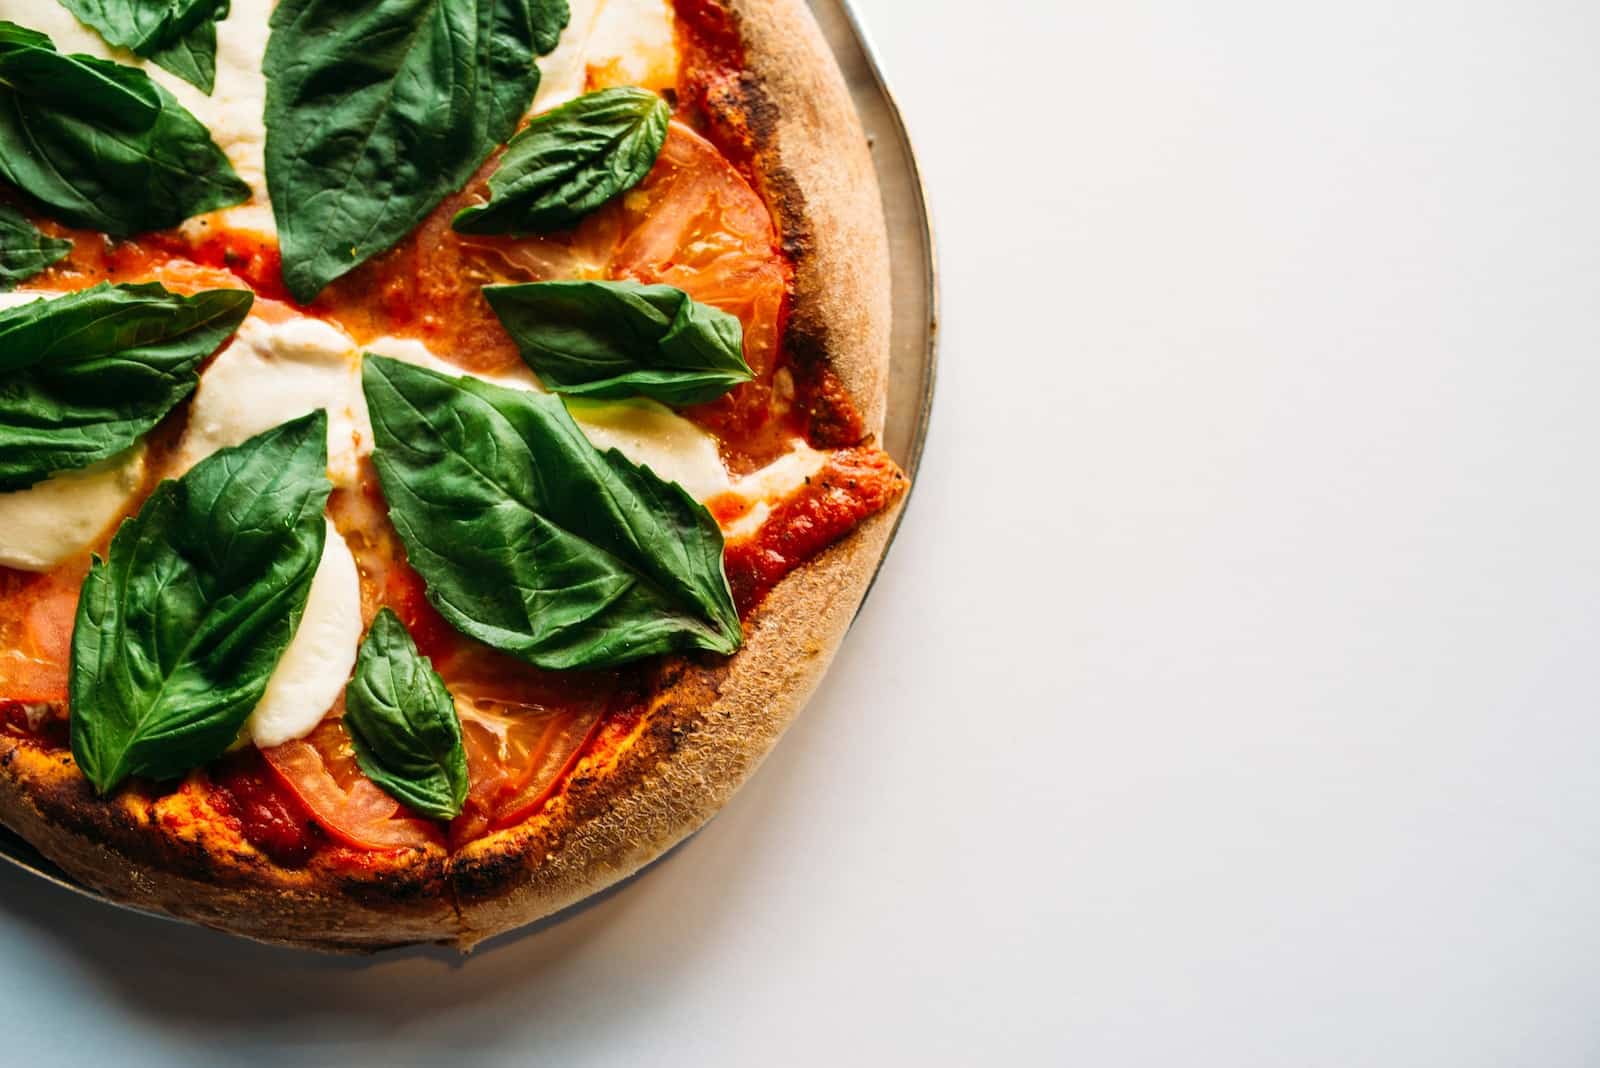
column 267, row 813
column 853, row 485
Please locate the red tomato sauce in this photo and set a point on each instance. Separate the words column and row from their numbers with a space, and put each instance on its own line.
column 267, row 813
column 852, row 486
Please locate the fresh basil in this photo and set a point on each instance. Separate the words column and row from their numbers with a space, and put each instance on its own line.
column 622, row 339
column 180, row 628
column 24, row 251
column 571, row 160
column 379, row 109
column 84, row 376
column 533, row 541
column 403, row 723
column 101, row 145
column 177, row 35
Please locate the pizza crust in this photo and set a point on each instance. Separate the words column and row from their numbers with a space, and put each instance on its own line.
column 179, row 855
column 710, row 724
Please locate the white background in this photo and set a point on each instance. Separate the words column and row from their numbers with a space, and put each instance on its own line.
column 1230, row 696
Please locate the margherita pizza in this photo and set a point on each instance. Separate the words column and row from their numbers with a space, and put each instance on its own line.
column 437, row 442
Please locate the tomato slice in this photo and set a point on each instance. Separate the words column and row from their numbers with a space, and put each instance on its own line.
column 516, row 759
column 322, row 772
column 694, row 223
column 36, row 617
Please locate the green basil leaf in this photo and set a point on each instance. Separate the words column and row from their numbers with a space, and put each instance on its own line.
column 180, row 628
column 24, row 251
column 532, row 540
column 379, row 109
column 403, row 723
column 571, row 160
column 623, row 339
column 101, row 145
column 84, row 376
column 178, row 35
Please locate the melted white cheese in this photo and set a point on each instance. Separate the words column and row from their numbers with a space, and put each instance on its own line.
column 644, row 431
column 417, row 354
column 67, row 513
column 608, row 43
column 274, row 372
column 18, row 297
column 313, row 671
column 55, row 520
column 654, row 435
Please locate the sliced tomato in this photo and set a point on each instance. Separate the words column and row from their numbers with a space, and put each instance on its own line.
column 36, row 617
column 694, row 223
column 516, row 758
column 322, row 773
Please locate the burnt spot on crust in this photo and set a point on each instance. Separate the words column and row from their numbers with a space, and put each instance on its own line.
column 487, row 874
column 391, row 886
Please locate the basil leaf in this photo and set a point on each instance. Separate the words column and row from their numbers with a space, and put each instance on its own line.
column 84, row 376
column 100, row 144
column 533, row 541
column 178, row 35
column 180, row 628
column 24, row 251
column 379, row 109
column 622, row 339
column 571, row 160
column 403, row 723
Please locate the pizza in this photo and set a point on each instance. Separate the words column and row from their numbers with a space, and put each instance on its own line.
column 438, row 442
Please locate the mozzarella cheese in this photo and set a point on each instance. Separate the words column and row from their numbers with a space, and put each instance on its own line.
column 654, row 435
column 607, row 42
column 55, row 520
column 320, row 657
column 274, row 372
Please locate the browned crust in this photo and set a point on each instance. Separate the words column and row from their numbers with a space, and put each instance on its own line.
column 709, row 726
column 177, row 854
column 814, row 167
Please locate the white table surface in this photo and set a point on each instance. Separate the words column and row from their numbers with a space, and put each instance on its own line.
column 1230, row 697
